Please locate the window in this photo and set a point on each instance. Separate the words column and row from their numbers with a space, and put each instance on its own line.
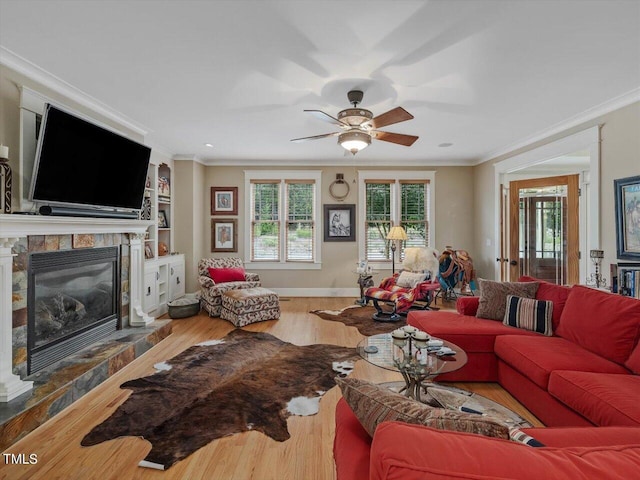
column 283, row 218
column 402, row 198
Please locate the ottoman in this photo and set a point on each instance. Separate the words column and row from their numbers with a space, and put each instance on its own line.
column 249, row 305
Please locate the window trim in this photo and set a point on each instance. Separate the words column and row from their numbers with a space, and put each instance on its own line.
column 396, row 177
column 283, row 177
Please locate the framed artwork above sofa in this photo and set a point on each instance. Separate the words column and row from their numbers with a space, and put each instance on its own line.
column 627, row 191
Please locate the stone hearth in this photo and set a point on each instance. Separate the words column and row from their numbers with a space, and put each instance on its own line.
column 28, row 401
column 58, row 386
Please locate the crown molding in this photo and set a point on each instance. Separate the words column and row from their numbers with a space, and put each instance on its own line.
column 353, row 162
column 583, row 117
column 52, row 82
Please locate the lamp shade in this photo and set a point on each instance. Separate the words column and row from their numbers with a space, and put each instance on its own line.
column 354, row 140
column 397, row 233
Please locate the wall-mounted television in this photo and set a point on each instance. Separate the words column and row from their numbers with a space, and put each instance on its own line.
column 84, row 166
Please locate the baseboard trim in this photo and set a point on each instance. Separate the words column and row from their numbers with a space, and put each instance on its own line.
column 316, row 292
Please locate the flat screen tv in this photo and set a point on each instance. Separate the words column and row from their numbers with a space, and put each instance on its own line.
column 80, row 164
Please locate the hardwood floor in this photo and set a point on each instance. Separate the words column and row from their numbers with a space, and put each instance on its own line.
column 251, row 455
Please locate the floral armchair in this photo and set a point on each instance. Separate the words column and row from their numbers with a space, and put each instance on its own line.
column 230, row 268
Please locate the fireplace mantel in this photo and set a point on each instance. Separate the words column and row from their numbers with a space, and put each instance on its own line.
column 14, row 227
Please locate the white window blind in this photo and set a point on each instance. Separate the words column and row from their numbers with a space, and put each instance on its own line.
column 399, row 199
column 300, row 221
column 414, row 214
column 378, row 220
column 265, row 224
column 284, row 218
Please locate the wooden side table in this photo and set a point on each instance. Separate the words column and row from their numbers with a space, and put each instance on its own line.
column 365, row 280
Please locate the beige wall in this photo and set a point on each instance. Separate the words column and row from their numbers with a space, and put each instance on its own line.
column 190, row 231
column 619, row 158
column 453, row 217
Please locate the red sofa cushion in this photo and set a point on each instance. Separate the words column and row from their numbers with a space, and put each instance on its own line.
column 601, row 322
column 536, row 357
column 467, row 305
column 472, row 334
column 585, row 436
column 224, row 275
column 558, row 294
column 408, row 452
column 351, row 445
column 633, row 362
column 604, row 399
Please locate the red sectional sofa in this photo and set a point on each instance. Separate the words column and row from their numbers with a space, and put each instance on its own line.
column 400, row 451
column 583, row 382
column 585, row 374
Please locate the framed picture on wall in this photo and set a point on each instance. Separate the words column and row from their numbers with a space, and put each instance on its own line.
column 627, row 191
column 224, row 235
column 340, row 223
column 224, row 200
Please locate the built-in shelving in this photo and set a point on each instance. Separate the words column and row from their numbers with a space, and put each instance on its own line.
column 628, row 279
column 157, row 207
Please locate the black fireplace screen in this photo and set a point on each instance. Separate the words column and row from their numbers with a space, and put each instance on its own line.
column 73, row 302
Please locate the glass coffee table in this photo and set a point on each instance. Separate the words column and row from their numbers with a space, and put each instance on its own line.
column 416, row 368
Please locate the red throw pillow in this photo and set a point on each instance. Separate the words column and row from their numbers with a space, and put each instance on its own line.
column 223, row 275
column 603, row 323
column 557, row 294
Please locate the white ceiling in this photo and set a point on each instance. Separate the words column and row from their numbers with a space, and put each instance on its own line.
column 486, row 76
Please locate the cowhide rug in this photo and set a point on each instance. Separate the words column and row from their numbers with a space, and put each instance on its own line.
column 246, row 381
column 361, row 318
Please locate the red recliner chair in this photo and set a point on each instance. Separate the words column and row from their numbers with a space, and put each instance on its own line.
column 407, row 289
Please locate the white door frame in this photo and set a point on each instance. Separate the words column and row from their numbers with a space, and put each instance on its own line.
column 588, row 140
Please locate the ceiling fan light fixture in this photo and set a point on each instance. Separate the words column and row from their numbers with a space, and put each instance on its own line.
column 354, row 140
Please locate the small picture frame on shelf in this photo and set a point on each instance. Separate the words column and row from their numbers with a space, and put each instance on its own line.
column 362, row 267
column 148, row 251
column 162, row 219
column 224, row 235
column 164, row 189
column 627, row 191
column 224, row 200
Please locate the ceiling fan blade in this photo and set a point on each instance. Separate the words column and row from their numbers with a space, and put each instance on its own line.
column 396, row 115
column 315, row 137
column 325, row 117
column 399, row 138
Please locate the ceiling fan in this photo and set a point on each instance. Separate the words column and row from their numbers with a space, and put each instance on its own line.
column 359, row 126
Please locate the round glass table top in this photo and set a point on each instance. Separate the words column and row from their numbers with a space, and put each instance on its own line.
column 391, row 357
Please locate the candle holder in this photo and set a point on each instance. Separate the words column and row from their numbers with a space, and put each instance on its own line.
column 5, row 171
column 595, row 279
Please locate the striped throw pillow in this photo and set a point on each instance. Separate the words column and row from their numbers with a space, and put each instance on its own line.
column 529, row 314
column 519, row 436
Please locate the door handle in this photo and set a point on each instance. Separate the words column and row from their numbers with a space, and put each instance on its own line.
column 513, row 263
column 148, row 291
column 178, row 280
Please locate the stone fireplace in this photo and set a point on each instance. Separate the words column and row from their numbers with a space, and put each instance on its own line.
column 26, row 238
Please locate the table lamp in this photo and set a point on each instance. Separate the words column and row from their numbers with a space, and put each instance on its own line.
column 396, row 233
